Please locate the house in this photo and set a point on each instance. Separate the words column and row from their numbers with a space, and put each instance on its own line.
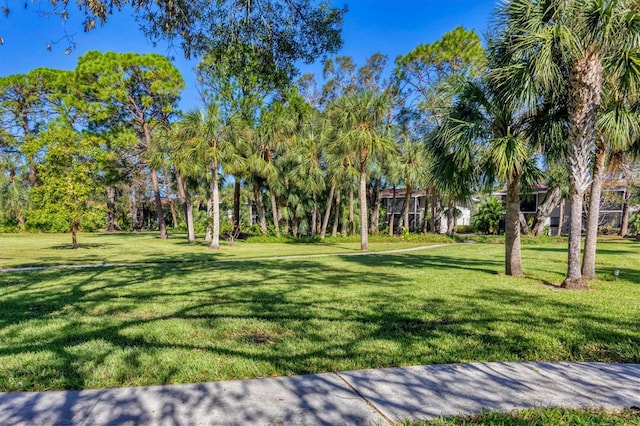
column 417, row 202
column 611, row 204
column 613, row 195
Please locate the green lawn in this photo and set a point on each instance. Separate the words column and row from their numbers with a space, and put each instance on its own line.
column 24, row 250
column 542, row 417
column 202, row 320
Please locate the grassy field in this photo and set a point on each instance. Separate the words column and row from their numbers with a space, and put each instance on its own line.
column 24, row 250
column 200, row 320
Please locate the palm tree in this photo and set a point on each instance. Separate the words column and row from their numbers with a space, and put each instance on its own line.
column 205, row 133
column 171, row 152
column 359, row 119
column 618, row 127
column 567, row 50
column 412, row 161
column 480, row 125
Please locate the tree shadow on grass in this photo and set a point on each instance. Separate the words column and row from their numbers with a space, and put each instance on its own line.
column 427, row 261
column 314, row 316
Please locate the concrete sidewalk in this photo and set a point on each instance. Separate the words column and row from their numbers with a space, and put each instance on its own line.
column 380, row 396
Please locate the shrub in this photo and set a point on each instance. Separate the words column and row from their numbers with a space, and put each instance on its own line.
column 487, row 218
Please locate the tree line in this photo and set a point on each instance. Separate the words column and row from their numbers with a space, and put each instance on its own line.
column 552, row 96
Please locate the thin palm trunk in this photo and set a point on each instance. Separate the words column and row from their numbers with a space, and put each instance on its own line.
column 392, row 211
column 364, row 234
column 351, row 225
column 376, row 196
column 174, row 215
column 260, row 210
column 336, row 216
column 314, row 215
column 425, row 213
column 187, row 206
column 624, row 221
column 405, row 208
column 162, row 227
column 561, row 218
column 215, row 189
column 327, row 213
column 236, row 204
column 274, row 211
column 591, row 239
column 513, row 261
column 436, row 215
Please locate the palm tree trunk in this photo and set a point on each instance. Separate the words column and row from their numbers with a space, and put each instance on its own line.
column 574, row 273
column 405, row 208
column 314, row 215
column 450, row 218
column 336, row 216
column 544, row 209
column 208, row 236
column 159, row 211
column 187, row 206
column 425, row 214
column 374, row 226
column 392, row 212
column 524, row 225
column 236, row 204
column 215, row 189
column 262, row 218
column 364, row 231
column 351, row 226
column 274, row 211
column 513, row 258
column 624, row 221
column 174, row 215
column 436, row 215
column 585, row 85
column 591, row 239
column 189, row 217
column 561, row 218
column 327, row 213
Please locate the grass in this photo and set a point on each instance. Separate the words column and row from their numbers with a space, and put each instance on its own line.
column 541, row 417
column 200, row 320
column 24, row 250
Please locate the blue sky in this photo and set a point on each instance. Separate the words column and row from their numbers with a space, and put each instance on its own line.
column 386, row 26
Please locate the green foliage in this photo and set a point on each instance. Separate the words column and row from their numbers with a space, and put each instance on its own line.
column 65, row 198
column 283, row 32
column 488, row 216
column 634, row 224
column 464, row 229
column 138, row 89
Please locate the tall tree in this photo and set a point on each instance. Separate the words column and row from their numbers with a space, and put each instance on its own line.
column 420, row 74
column 24, row 102
column 570, row 49
column 65, row 199
column 617, row 128
column 359, row 120
column 207, row 145
column 143, row 90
